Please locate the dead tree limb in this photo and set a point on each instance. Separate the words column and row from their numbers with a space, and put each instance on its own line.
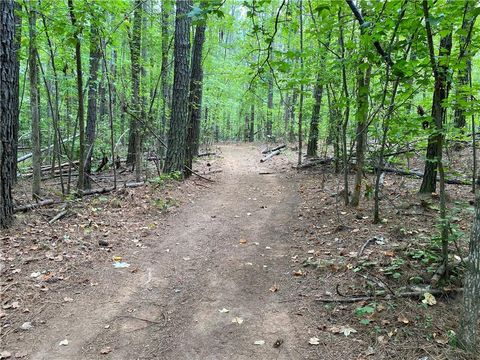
column 272, row 154
column 266, row 151
column 407, row 294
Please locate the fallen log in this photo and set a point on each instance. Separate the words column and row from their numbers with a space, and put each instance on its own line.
column 420, row 175
column 47, row 202
column 32, row 206
column 272, row 154
column 313, row 163
column 266, row 151
column 29, row 155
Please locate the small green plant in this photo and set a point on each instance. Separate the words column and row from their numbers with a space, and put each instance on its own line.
column 394, row 268
column 363, row 311
column 164, row 204
column 166, row 177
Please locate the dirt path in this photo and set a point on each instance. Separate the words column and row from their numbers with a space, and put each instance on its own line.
column 169, row 308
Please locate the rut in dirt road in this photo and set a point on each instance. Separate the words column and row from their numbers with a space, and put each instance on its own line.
column 228, row 250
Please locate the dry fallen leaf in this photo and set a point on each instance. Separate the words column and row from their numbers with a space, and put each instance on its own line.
column 314, row 341
column 389, row 253
column 274, row 288
column 298, row 273
column 259, row 342
column 429, row 299
column 63, row 343
column 67, row 299
column 5, row 354
column 20, row 354
column 106, row 350
column 223, row 311
column 237, row 320
column 403, row 319
column 243, row 241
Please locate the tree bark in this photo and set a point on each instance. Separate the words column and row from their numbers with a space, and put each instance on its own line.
column 134, row 146
column 313, row 131
column 34, row 101
column 165, row 89
column 467, row 334
column 175, row 157
column 269, row 124
column 251, row 126
column 363, row 88
column 95, row 56
column 81, row 120
column 435, row 140
column 8, row 108
column 195, row 98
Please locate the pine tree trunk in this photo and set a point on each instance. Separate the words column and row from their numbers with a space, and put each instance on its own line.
column 8, row 108
column 195, row 98
column 16, row 74
column 175, row 158
column 95, row 56
column 34, row 102
column 315, row 120
column 166, row 8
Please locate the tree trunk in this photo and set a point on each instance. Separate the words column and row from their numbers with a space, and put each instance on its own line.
column 251, row 126
column 313, row 132
column 34, row 101
column 269, row 124
column 95, row 55
column 363, row 88
column 166, row 8
column 81, row 120
column 467, row 334
column 195, row 97
column 435, row 140
column 135, row 47
column 8, row 108
column 16, row 74
column 175, row 158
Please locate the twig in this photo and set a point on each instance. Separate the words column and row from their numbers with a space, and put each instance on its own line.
column 388, row 297
column 362, row 249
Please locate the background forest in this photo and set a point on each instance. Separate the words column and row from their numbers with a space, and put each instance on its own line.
column 139, row 89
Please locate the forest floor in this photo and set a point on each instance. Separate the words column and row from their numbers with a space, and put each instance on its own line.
column 230, row 269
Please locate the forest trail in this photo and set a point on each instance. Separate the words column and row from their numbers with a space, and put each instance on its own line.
column 169, row 309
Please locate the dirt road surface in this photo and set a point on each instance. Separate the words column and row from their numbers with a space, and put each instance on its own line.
column 227, row 249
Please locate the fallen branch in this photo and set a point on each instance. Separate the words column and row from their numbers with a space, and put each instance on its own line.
column 407, row 294
column 313, row 163
column 207, row 154
column 60, row 215
column 362, row 249
column 266, row 151
column 420, row 175
column 272, row 154
column 32, row 206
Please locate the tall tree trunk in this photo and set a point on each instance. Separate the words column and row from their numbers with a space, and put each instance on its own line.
column 16, row 74
column 34, row 101
column 95, row 56
column 435, row 140
column 81, row 119
column 175, row 158
column 468, row 331
column 8, row 108
column 195, row 98
column 165, row 90
column 269, row 124
column 363, row 88
column 251, row 126
column 313, row 131
column 246, row 127
column 135, row 47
